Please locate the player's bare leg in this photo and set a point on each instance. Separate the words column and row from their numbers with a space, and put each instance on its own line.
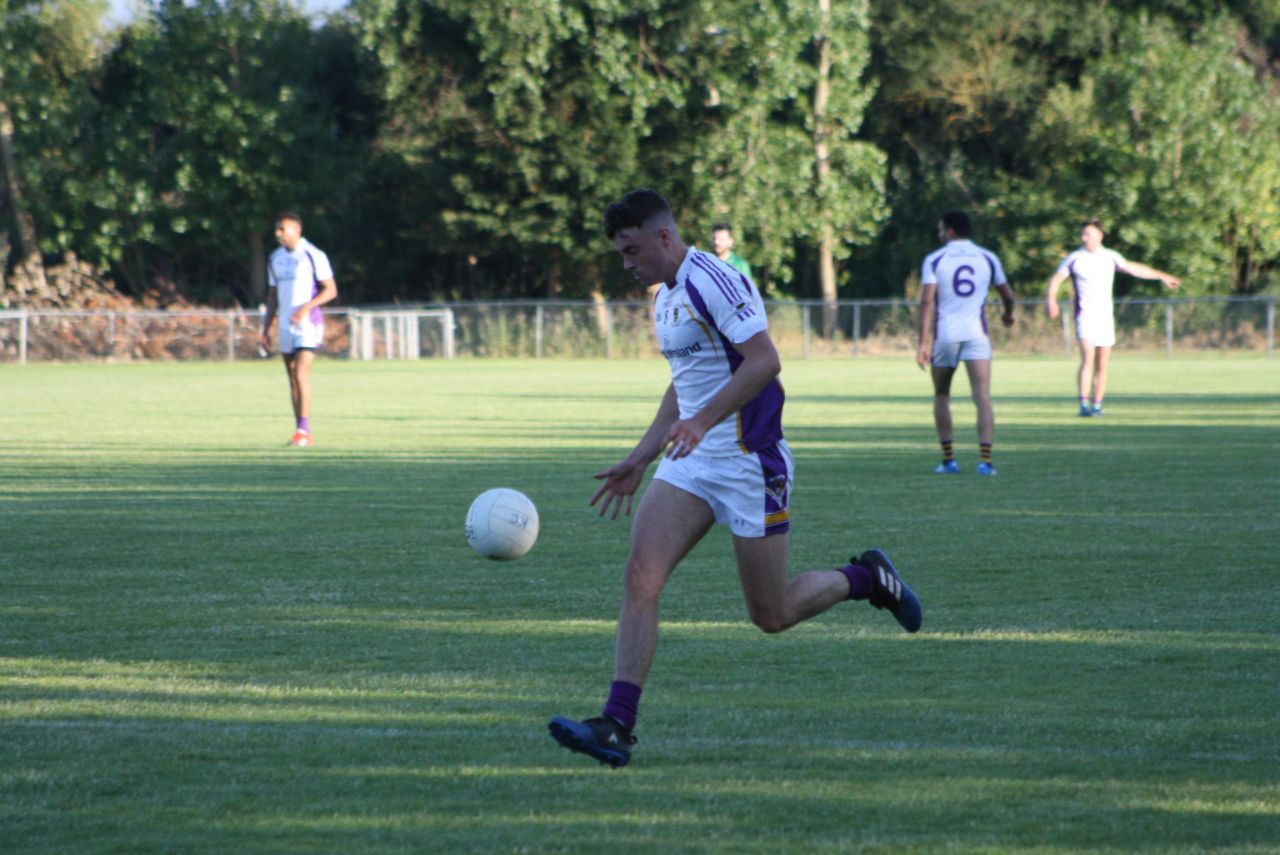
column 290, row 361
column 979, row 371
column 942, row 417
column 774, row 602
column 1102, row 359
column 302, row 381
column 980, row 385
column 298, row 366
column 1084, row 378
column 669, row 523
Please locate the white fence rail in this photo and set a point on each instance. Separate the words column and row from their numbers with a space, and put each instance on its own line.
column 541, row 329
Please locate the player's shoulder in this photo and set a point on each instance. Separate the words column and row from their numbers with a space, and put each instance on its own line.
column 711, row 276
column 937, row 254
column 311, row 249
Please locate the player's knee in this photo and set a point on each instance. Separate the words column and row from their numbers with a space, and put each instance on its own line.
column 644, row 579
column 769, row 621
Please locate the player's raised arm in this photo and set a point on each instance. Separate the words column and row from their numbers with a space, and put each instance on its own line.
column 1143, row 271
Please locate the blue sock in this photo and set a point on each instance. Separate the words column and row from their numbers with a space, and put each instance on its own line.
column 623, row 703
column 304, row 424
column 859, row 581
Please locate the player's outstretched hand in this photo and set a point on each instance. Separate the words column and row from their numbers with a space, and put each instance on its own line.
column 620, row 484
column 1172, row 282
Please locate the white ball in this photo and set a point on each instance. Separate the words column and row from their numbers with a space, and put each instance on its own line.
column 502, row 524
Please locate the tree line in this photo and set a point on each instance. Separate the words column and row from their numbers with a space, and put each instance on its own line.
column 464, row 149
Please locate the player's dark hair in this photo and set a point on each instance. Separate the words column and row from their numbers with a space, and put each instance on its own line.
column 958, row 222
column 1095, row 222
column 634, row 210
column 289, row 215
column 722, row 227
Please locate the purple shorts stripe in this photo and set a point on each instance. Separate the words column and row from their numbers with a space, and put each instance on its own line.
column 777, row 490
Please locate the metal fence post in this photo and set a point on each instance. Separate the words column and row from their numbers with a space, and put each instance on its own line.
column 22, row 337
column 804, row 325
column 231, row 335
column 537, row 332
column 857, row 327
column 1271, row 325
column 1168, row 328
column 448, row 333
column 608, row 331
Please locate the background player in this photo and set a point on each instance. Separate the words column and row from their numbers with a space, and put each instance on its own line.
column 1092, row 269
column 722, row 243
column 301, row 282
column 955, row 281
column 721, row 423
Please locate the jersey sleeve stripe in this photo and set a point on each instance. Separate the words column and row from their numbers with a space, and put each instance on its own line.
column 724, row 283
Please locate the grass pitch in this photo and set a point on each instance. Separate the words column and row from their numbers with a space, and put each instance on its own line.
column 210, row 642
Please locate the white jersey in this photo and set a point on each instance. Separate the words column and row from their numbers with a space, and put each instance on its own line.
column 698, row 319
column 296, row 276
column 964, row 273
column 1093, row 275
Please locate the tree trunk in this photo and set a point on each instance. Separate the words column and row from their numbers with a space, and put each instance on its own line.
column 29, row 268
column 826, row 243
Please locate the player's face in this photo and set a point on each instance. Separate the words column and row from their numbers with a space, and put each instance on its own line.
column 721, row 242
column 643, row 252
column 1091, row 238
column 288, row 233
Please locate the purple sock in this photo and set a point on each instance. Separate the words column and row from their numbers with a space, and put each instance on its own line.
column 859, row 581
column 624, row 701
column 304, row 424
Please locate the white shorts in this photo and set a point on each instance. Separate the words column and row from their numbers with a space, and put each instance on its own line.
column 950, row 354
column 303, row 336
column 1098, row 328
column 750, row 493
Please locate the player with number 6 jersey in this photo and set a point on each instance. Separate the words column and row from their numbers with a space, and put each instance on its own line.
column 955, row 281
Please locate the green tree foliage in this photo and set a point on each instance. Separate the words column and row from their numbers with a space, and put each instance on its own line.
column 1174, row 142
column 1158, row 118
column 753, row 92
column 523, row 121
column 465, row 148
column 206, row 118
column 47, row 50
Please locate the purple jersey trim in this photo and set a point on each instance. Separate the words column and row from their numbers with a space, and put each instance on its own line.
column 1075, row 288
column 760, row 419
column 723, row 282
